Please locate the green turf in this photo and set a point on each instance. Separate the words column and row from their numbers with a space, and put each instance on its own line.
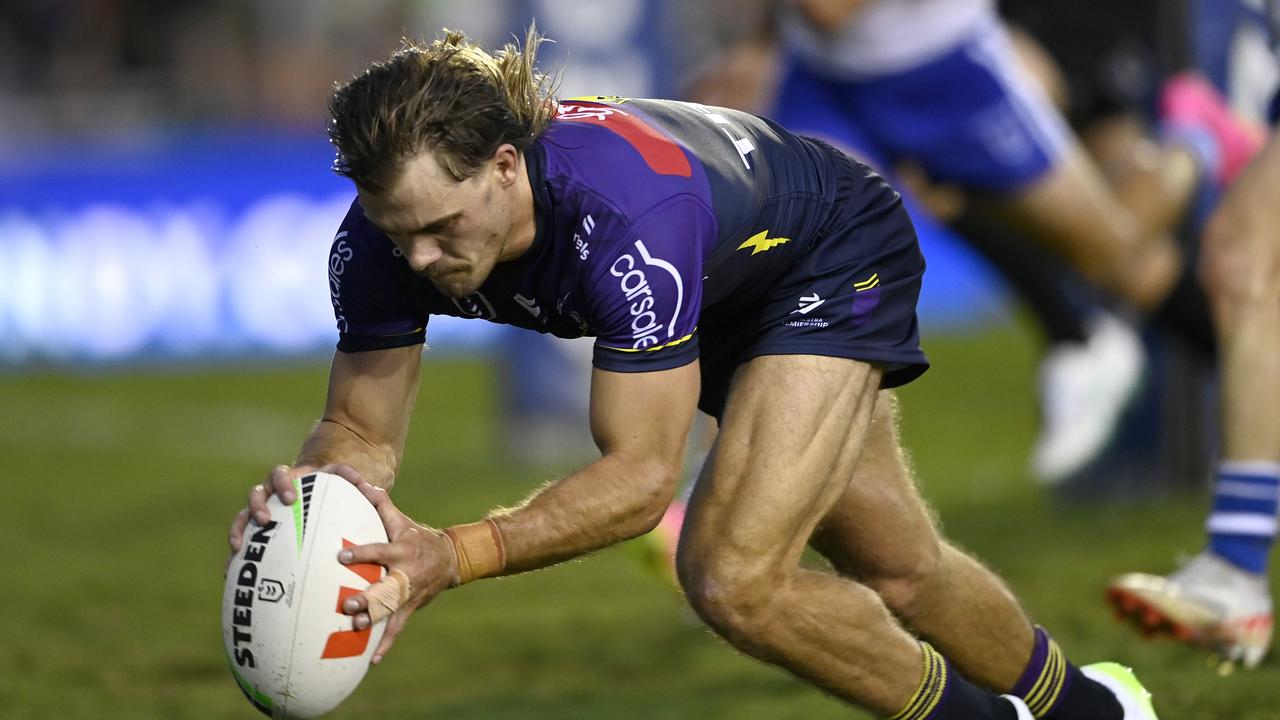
column 119, row 488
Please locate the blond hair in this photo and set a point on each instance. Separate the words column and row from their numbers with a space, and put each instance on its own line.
column 451, row 97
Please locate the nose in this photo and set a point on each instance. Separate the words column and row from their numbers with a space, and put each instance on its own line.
column 422, row 253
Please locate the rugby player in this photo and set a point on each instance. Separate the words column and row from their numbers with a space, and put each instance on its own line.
column 722, row 263
column 936, row 81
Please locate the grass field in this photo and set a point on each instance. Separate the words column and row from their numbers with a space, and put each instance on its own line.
column 119, row 487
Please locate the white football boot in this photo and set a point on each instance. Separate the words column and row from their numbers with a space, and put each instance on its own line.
column 1208, row 601
column 1121, row 681
column 1084, row 390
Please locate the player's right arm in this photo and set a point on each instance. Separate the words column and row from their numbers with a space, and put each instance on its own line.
column 361, row 435
column 373, row 380
column 366, row 416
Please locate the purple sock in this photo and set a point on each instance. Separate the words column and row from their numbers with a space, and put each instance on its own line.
column 945, row 695
column 1055, row 689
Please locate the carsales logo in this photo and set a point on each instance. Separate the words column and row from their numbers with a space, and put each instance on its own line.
column 634, row 284
column 338, row 259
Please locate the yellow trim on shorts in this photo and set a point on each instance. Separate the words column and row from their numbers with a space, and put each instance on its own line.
column 867, row 284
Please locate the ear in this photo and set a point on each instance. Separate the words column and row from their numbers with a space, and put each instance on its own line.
column 506, row 164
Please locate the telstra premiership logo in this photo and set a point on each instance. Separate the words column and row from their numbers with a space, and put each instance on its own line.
column 761, row 242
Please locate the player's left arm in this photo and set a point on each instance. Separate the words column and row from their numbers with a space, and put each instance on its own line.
column 639, row 420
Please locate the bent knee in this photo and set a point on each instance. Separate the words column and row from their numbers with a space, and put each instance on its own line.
column 736, row 600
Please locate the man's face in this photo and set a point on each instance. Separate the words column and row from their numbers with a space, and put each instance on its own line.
column 450, row 232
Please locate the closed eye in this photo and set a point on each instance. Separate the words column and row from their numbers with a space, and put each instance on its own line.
column 437, row 226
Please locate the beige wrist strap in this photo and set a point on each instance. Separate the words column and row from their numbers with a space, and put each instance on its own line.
column 387, row 595
column 479, row 550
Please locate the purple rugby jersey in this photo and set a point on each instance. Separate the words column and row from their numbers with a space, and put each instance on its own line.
column 653, row 216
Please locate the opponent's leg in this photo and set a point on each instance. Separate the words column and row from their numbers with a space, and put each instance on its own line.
column 1240, row 268
column 790, row 438
column 881, row 532
column 1222, row 598
column 1155, row 183
column 1072, row 211
column 1092, row 366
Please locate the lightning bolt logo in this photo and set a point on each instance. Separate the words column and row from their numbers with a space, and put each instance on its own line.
column 761, row 242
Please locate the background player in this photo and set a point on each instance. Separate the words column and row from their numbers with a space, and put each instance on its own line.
column 1222, row 596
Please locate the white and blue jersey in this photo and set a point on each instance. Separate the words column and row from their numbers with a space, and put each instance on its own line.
column 673, row 231
column 948, row 94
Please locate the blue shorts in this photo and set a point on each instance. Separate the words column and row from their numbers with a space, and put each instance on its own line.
column 851, row 295
column 969, row 117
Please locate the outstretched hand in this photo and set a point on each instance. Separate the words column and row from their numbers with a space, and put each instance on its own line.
column 420, row 564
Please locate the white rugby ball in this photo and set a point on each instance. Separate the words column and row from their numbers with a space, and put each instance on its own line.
column 291, row 649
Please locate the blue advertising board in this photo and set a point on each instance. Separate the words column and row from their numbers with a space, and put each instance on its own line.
column 211, row 245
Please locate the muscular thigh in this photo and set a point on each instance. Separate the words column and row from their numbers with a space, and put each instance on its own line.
column 791, row 434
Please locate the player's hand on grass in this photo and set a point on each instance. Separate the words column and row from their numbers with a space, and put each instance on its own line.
column 279, row 482
column 420, row 564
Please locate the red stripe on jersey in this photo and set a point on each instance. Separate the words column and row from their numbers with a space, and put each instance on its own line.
column 661, row 154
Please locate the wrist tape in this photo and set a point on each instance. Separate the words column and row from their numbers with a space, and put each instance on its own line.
column 479, row 549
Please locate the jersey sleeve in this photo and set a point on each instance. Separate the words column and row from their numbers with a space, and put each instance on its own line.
column 370, row 287
column 647, row 297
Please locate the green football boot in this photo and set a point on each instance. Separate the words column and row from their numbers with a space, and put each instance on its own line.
column 1121, row 681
